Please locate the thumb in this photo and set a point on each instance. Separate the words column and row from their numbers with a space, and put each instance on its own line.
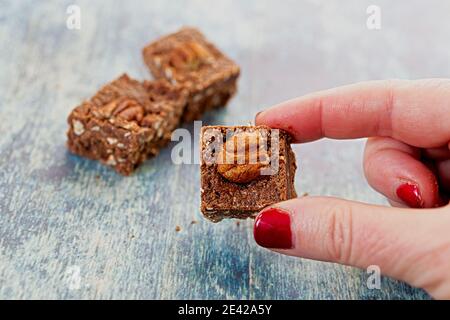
column 406, row 244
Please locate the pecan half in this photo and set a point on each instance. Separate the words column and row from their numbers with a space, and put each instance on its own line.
column 125, row 108
column 242, row 157
column 135, row 112
column 189, row 56
column 107, row 110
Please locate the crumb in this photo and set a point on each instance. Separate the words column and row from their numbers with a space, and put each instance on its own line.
column 193, row 221
column 97, row 176
column 177, row 228
column 305, row 194
column 238, row 223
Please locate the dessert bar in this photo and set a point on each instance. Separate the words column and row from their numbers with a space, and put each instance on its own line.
column 244, row 169
column 187, row 58
column 126, row 122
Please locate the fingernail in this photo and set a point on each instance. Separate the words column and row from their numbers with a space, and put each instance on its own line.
column 410, row 194
column 273, row 229
column 258, row 114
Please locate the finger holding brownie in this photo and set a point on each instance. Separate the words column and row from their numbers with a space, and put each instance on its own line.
column 407, row 158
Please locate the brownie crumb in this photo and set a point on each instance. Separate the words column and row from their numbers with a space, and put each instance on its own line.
column 177, row 228
column 193, row 221
column 305, row 194
column 238, row 223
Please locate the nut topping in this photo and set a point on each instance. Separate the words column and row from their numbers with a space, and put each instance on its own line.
column 126, row 108
column 242, row 157
column 107, row 110
column 124, row 104
column 132, row 113
column 149, row 120
column 189, row 56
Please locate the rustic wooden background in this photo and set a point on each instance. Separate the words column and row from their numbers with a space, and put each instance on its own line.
column 71, row 228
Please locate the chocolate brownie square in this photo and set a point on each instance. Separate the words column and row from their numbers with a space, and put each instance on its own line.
column 187, row 58
column 244, row 169
column 126, row 122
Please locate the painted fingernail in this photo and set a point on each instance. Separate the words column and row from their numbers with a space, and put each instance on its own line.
column 272, row 229
column 410, row 194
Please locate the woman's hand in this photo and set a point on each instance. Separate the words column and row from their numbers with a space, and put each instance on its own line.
column 407, row 158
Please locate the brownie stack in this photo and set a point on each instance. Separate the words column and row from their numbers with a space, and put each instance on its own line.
column 128, row 121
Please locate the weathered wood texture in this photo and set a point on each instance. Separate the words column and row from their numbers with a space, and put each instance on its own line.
column 60, row 214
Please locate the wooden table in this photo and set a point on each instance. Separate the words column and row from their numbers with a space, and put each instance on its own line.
column 71, row 228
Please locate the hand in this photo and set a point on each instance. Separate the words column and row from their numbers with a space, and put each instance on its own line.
column 407, row 158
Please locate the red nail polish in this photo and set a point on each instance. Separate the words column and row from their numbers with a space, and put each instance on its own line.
column 273, row 229
column 409, row 193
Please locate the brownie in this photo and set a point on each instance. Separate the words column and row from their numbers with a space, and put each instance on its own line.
column 126, row 122
column 187, row 58
column 235, row 187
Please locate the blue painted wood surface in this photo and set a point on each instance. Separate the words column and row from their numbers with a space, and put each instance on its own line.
column 71, row 228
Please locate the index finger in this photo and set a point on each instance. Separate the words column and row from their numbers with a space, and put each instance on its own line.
column 416, row 112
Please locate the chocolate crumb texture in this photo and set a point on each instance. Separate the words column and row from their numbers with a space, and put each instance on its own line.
column 189, row 59
column 126, row 122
